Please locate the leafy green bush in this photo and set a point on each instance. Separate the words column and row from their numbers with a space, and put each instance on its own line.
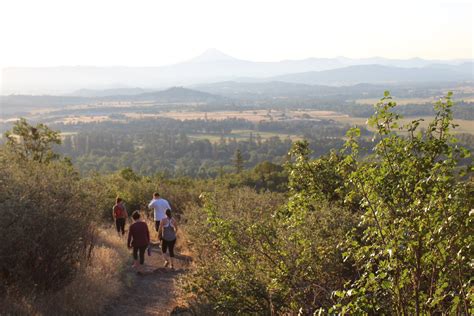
column 226, row 236
column 414, row 255
column 257, row 256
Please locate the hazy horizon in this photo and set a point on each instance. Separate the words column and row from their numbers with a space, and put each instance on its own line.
column 122, row 33
column 216, row 66
column 53, row 33
column 192, row 58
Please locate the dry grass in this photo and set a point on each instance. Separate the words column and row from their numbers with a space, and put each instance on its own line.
column 85, row 119
column 401, row 101
column 416, row 101
column 96, row 284
column 465, row 126
column 253, row 115
column 315, row 114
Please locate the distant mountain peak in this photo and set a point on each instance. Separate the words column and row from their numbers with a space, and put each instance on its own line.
column 212, row 55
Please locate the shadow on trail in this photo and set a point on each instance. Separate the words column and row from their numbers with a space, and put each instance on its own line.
column 152, row 292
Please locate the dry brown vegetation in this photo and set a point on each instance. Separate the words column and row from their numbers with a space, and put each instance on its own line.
column 93, row 287
column 251, row 115
column 464, row 126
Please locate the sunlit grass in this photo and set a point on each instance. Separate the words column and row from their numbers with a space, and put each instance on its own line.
column 465, row 126
column 94, row 286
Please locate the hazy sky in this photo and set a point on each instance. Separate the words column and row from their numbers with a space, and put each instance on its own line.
column 156, row 32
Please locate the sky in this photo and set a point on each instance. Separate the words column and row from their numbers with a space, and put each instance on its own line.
column 158, row 32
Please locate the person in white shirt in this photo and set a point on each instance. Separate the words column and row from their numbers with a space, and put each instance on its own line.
column 159, row 205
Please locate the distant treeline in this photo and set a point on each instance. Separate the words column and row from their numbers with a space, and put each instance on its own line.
column 197, row 148
column 166, row 145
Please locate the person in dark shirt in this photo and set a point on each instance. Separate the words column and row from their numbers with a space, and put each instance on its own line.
column 138, row 239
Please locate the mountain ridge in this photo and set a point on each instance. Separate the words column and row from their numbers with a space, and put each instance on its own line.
column 211, row 66
column 376, row 74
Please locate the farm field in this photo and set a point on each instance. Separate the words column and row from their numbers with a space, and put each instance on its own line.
column 465, row 126
column 250, row 115
column 400, row 101
column 242, row 135
column 407, row 101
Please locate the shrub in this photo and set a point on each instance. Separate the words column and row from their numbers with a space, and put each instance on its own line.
column 227, row 247
column 45, row 220
column 414, row 254
column 255, row 256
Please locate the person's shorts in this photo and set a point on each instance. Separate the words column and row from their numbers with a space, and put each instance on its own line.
column 168, row 245
column 157, row 225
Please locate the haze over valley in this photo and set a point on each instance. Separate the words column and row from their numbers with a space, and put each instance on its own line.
column 275, row 103
column 214, row 66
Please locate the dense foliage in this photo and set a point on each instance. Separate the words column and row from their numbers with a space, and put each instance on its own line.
column 387, row 233
column 258, row 254
column 414, row 254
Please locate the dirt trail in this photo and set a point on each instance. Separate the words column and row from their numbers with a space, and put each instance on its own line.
column 153, row 292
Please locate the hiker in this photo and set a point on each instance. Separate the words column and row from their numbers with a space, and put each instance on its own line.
column 167, row 232
column 120, row 216
column 138, row 238
column 159, row 205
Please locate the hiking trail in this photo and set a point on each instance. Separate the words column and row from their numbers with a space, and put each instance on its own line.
column 153, row 292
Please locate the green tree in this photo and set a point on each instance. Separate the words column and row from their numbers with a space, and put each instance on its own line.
column 32, row 142
column 238, row 161
column 128, row 174
column 413, row 255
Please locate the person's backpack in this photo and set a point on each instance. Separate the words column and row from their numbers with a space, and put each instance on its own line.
column 169, row 232
column 119, row 211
